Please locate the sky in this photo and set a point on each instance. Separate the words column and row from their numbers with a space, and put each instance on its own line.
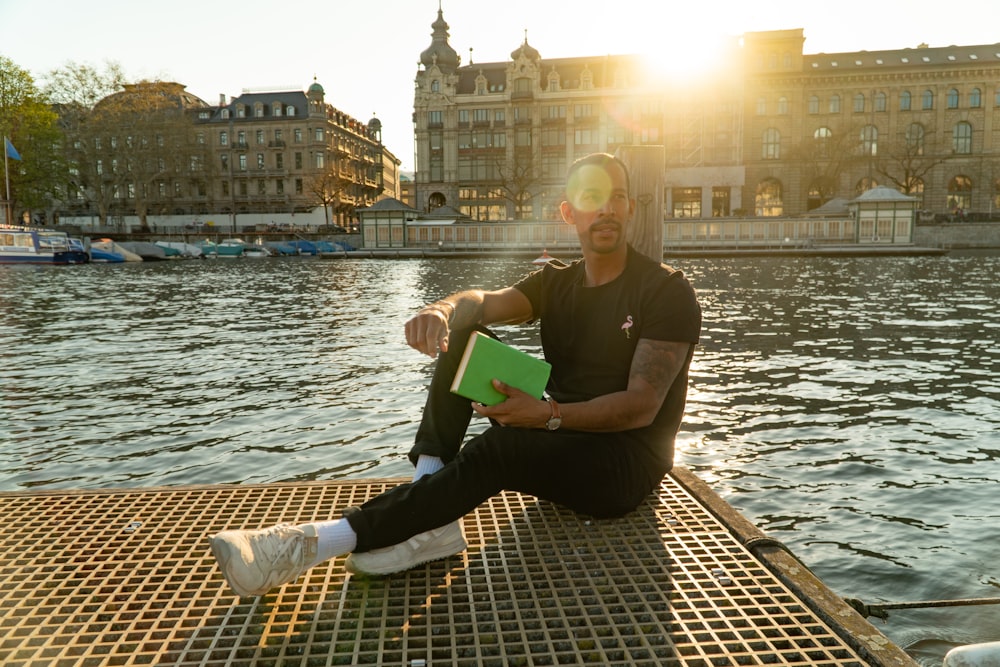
column 365, row 54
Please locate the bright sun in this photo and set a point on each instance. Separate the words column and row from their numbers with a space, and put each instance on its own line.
column 691, row 57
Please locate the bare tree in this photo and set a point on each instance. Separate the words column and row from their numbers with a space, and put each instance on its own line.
column 906, row 160
column 519, row 177
column 332, row 187
column 825, row 156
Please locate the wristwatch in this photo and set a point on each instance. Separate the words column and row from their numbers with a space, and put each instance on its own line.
column 555, row 421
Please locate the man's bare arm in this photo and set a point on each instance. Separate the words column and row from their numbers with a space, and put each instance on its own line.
column 428, row 330
column 655, row 366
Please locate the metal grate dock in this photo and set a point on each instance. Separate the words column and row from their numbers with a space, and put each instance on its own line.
column 124, row 577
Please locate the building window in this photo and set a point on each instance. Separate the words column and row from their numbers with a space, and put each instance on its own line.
column 915, row 139
column 761, row 106
column 553, row 136
column 687, row 202
column 904, row 101
column 319, row 134
column 223, row 138
column 258, row 110
column 435, row 119
column 927, row 100
column 279, row 161
column 975, row 98
column 822, row 137
column 869, row 140
column 297, row 135
column 279, row 186
column 261, row 187
column 859, row 103
column 952, row 100
column 241, row 138
column 260, row 137
column 225, row 114
column 835, row 104
column 298, row 186
column 960, row 193
column 771, row 144
column 522, row 137
column 813, row 105
column 289, row 110
column 435, row 86
column 260, row 160
column 961, row 138
column 224, row 162
column 298, row 160
column 276, row 109
column 243, row 162
column 583, row 111
column 320, row 160
column 880, row 102
column 782, row 105
column 481, row 116
column 768, row 199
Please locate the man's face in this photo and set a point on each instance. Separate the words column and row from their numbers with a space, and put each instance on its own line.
column 599, row 206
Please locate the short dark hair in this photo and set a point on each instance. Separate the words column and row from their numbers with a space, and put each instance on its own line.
column 601, row 160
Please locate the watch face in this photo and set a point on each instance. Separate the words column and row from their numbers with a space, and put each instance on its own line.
column 553, row 423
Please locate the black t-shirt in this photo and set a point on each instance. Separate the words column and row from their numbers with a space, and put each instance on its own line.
column 589, row 334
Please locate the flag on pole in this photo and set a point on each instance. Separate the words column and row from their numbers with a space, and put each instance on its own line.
column 11, row 151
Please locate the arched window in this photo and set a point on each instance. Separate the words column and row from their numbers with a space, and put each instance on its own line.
column 821, row 138
column 276, row 109
column 976, row 98
column 835, row 104
column 915, row 139
column 869, row 140
column 771, row 145
column 782, row 105
column 880, row 102
column 761, row 106
column 435, row 86
column 961, row 138
column 959, row 193
column 813, row 105
column 820, row 192
column 289, row 110
column 859, row 103
column 768, row 200
column 904, row 101
column 927, row 100
column 952, row 99
column 864, row 185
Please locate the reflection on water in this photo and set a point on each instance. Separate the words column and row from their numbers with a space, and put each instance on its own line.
column 847, row 406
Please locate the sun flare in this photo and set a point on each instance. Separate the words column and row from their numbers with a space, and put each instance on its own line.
column 691, row 57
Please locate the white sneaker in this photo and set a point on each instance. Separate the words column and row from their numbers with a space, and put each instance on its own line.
column 423, row 548
column 255, row 561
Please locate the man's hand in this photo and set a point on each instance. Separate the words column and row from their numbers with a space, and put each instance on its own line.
column 519, row 409
column 427, row 331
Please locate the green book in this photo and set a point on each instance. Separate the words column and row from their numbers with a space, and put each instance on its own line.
column 487, row 358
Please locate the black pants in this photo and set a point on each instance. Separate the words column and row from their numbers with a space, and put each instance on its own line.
column 600, row 474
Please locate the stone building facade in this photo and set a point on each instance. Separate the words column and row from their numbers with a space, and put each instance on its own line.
column 774, row 132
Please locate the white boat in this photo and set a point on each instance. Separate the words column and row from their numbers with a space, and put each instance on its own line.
column 186, row 250
column 543, row 259
column 34, row 245
column 110, row 246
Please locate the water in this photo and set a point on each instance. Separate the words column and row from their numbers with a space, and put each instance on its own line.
column 849, row 407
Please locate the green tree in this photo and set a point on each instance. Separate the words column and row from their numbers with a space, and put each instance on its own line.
column 28, row 121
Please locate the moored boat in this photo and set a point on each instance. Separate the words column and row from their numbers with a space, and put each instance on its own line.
column 35, row 245
column 109, row 247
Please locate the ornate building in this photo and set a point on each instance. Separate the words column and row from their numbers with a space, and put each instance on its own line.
column 776, row 132
column 262, row 154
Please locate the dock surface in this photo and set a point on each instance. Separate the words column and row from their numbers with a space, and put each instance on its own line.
column 125, row 577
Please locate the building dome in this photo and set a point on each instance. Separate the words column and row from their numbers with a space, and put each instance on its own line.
column 526, row 51
column 316, row 88
column 440, row 52
column 375, row 125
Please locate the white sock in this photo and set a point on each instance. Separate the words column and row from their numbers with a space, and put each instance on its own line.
column 335, row 538
column 427, row 465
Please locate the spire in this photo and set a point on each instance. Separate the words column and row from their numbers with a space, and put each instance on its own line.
column 440, row 52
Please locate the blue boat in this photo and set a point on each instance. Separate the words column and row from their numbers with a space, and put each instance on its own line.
column 35, row 245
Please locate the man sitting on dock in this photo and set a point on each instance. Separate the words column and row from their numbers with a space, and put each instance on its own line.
column 619, row 330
